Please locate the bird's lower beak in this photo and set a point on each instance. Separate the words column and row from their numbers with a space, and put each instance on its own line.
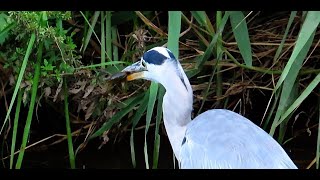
column 136, row 75
column 132, row 72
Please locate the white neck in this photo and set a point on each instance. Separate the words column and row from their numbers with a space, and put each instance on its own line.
column 177, row 107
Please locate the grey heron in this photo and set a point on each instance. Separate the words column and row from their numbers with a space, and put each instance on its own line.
column 217, row 138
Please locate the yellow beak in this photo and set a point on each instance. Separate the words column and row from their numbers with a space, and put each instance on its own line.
column 136, row 75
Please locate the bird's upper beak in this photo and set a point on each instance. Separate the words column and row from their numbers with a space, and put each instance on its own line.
column 132, row 72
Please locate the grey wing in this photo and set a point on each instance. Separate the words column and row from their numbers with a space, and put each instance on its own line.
column 221, row 139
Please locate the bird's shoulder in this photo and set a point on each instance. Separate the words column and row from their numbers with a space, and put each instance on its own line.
column 221, row 126
column 217, row 120
column 224, row 139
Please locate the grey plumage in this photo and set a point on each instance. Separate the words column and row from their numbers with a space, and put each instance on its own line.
column 216, row 138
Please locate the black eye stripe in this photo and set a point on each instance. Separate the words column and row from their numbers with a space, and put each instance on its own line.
column 171, row 54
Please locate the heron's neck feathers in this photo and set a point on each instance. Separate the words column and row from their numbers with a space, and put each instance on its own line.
column 177, row 108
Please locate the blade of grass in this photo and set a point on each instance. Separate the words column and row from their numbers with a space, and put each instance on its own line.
column 202, row 18
column 42, row 21
column 115, row 52
column 304, row 13
column 206, row 55
column 199, row 30
column 156, row 146
column 34, row 90
column 209, row 85
column 103, row 41
column 21, row 73
column 287, row 96
column 135, row 120
column 66, row 111
column 174, row 28
column 90, row 31
column 85, row 27
column 292, row 95
column 289, row 81
column 301, row 98
column 241, row 34
column 69, row 135
column 15, row 127
column 212, row 44
column 108, row 35
column 217, row 68
column 101, row 64
column 118, row 116
column 291, row 18
column 198, row 34
column 309, row 26
column 151, row 102
column 273, row 107
column 125, row 103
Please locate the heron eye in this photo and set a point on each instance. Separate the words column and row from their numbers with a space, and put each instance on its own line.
column 143, row 63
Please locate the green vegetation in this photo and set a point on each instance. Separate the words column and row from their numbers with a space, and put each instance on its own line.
column 261, row 65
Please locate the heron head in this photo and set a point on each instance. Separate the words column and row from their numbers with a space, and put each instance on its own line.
column 157, row 64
